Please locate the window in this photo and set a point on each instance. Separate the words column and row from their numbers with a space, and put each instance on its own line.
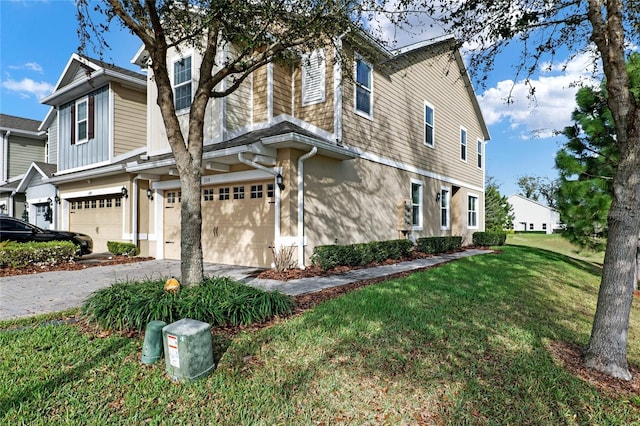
column 182, row 83
column 479, row 154
column 364, row 88
column 208, row 194
column 444, row 208
column 472, row 212
column 223, row 194
column 94, row 204
column 416, row 204
column 313, row 78
column 81, row 121
column 256, row 191
column 87, row 204
column 109, row 202
column 531, row 227
column 429, row 134
column 118, row 202
column 171, row 197
column 101, row 203
column 463, row 144
column 544, row 226
column 238, row 192
column 271, row 190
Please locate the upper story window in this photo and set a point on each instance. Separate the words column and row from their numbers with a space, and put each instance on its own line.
column 82, row 120
column 313, row 78
column 416, row 204
column 463, row 144
column 479, row 154
column 364, row 88
column 182, row 83
column 472, row 212
column 429, row 125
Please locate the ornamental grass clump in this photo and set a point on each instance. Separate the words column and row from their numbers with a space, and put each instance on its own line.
column 217, row 301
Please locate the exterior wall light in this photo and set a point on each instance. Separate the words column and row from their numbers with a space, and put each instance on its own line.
column 149, row 194
column 124, row 192
column 279, row 182
column 56, row 199
column 437, row 197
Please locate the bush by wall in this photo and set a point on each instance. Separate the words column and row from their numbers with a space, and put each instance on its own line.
column 434, row 245
column 327, row 257
column 486, row 239
column 19, row 255
column 119, row 248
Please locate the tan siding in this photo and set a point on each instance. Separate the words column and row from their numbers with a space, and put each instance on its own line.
column 396, row 130
column 130, row 119
column 260, row 95
column 22, row 152
column 320, row 114
column 239, row 107
column 281, row 89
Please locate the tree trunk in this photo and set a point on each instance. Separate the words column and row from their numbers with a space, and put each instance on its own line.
column 637, row 266
column 607, row 349
column 191, row 262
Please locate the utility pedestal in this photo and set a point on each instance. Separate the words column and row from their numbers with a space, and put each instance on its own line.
column 188, row 350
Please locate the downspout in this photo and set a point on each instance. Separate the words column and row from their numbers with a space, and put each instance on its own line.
column 134, row 206
column 5, row 153
column 275, row 174
column 301, row 161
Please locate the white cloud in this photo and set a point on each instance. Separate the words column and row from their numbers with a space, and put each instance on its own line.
column 551, row 106
column 33, row 66
column 27, row 87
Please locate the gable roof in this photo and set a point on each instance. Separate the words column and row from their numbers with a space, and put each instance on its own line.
column 82, row 74
column 531, row 201
column 45, row 170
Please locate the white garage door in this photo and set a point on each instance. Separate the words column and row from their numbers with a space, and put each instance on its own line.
column 99, row 217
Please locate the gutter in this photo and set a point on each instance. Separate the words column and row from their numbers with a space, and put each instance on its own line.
column 301, row 161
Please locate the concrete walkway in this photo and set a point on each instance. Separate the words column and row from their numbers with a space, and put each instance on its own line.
column 26, row 295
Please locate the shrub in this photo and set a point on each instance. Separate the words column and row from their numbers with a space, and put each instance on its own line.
column 119, row 248
column 19, row 255
column 328, row 257
column 489, row 238
column 434, row 245
column 217, row 301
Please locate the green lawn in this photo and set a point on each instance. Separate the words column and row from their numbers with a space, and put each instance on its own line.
column 558, row 244
column 465, row 343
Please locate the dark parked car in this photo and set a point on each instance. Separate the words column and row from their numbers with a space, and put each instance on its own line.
column 13, row 229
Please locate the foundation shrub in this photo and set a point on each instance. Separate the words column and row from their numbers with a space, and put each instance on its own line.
column 122, row 249
column 328, row 257
column 486, row 239
column 19, row 255
column 434, row 245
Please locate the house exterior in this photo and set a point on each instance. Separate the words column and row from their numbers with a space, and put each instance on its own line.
column 21, row 142
column 530, row 215
column 314, row 153
column 96, row 126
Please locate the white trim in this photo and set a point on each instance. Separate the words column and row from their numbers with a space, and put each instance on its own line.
column 413, row 169
column 337, row 94
column 91, row 193
column 448, row 198
column 477, row 211
column 76, row 123
column 466, row 144
column 433, row 125
column 420, row 225
column 177, row 58
column 270, row 92
column 223, row 178
column 355, row 87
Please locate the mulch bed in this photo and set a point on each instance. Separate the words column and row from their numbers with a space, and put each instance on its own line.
column 70, row 266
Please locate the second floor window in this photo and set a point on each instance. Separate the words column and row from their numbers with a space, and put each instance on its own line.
column 463, row 144
column 364, row 88
column 429, row 128
column 182, row 83
column 479, row 153
column 82, row 127
column 82, row 120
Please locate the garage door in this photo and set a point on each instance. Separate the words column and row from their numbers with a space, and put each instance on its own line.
column 99, row 217
column 237, row 224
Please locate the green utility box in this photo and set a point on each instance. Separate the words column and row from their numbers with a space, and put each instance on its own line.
column 187, row 349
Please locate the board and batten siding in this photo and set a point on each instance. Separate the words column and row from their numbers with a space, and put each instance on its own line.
column 93, row 151
column 130, row 119
column 22, row 152
column 396, row 131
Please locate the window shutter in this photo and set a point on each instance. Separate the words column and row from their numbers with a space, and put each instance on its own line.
column 73, row 124
column 90, row 117
column 313, row 78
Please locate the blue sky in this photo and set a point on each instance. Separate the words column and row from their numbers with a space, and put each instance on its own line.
column 37, row 37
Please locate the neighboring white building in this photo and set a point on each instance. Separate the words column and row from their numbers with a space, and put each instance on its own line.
column 530, row 215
